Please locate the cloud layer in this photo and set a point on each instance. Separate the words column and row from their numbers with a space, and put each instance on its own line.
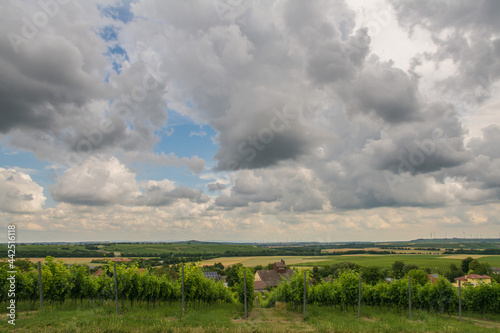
column 310, row 121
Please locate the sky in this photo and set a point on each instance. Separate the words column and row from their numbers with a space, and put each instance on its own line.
column 249, row 121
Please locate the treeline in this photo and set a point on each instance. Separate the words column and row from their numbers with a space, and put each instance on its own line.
column 360, row 252
column 472, row 251
column 343, row 293
column 374, row 274
column 77, row 253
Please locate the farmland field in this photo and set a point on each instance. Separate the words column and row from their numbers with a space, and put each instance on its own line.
column 378, row 249
column 69, row 261
column 254, row 261
column 440, row 261
column 184, row 247
column 421, row 260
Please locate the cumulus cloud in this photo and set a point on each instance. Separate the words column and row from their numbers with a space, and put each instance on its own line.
column 97, row 181
column 212, row 187
column 464, row 32
column 309, row 120
column 165, row 193
column 19, row 193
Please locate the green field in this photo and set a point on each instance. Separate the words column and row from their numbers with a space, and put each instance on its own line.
column 229, row 318
column 264, row 260
column 449, row 243
column 192, row 247
column 422, row 260
column 209, row 248
column 184, row 247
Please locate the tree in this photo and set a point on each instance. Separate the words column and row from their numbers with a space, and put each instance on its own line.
column 453, row 272
column 316, row 275
column 475, row 267
column 249, row 287
column 232, row 274
column 372, row 275
column 418, row 276
column 24, row 264
column 337, row 269
column 465, row 264
column 409, row 267
column 398, row 269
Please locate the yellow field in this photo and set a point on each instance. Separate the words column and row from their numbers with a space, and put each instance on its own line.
column 79, row 261
column 463, row 256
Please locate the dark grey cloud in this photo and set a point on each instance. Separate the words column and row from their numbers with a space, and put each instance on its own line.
column 212, row 187
column 488, row 144
column 384, row 91
column 47, row 72
column 160, row 197
column 59, row 95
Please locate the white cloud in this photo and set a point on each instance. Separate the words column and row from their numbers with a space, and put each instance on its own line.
column 19, row 193
column 98, row 180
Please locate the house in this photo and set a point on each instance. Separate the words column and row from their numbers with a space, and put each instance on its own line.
column 327, row 279
column 99, row 272
column 120, row 259
column 260, row 287
column 433, row 278
column 223, row 278
column 495, row 270
column 271, row 278
column 472, row 279
column 211, row 276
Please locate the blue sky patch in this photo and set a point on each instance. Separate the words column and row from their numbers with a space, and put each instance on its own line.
column 119, row 12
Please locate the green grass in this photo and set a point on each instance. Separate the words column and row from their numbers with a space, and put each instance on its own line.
column 228, row 318
column 325, row 319
column 422, row 260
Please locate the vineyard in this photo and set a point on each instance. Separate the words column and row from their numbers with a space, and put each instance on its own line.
column 77, row 288
column 342, row 292
column 61, row 284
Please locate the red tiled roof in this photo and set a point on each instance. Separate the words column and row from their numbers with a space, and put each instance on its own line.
column 259, row 285
column 98, row 272
column 119, row 259
column 433, row 277
column 472, row 276
column 475, row 276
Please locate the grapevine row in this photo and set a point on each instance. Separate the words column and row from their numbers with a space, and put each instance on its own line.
column 343, row 292
column 61, row 284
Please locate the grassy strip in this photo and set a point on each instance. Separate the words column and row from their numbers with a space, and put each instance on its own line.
column 228, row 318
